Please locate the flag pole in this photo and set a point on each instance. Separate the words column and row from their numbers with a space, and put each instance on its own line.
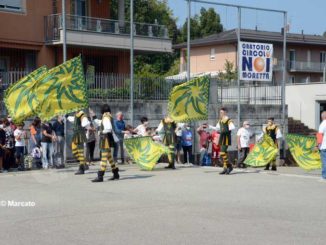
column 64, row 51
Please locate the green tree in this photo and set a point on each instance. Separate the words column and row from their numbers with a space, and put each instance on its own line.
column 210, row 22
column 195, row 31
column 151, row 12
column 205, row 24
column 229, row 74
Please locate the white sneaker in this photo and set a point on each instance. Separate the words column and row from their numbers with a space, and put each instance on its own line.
column 322, row 180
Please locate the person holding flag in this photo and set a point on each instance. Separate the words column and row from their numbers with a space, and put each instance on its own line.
column 107, row 141
column 275, row 133
column 225, row 127
column 169, row 127
column 81, row 123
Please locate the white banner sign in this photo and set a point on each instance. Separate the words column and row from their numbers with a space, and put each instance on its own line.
column 256, row 61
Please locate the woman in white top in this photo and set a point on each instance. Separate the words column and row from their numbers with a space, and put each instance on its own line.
column 141, row 129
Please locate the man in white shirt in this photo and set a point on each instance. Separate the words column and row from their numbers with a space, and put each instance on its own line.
column 107, row 140
column 243, row 139
column 225, row 127
column 322, row 144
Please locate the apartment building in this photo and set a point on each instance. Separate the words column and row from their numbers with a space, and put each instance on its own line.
column 31, row 35
column 305, row 94
column 306, row 54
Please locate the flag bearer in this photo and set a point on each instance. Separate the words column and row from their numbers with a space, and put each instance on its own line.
column 81, row 123
column 275, row 133
column 168, row 127
column 225, row 127
column 107, row 139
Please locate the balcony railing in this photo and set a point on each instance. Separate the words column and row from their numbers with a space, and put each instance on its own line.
column 300, row 66
column 53, row 25
column 305, row 66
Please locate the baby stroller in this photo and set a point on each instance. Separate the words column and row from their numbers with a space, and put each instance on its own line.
column 36, row 158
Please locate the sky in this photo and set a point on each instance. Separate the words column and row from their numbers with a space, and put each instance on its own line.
column 309, row 16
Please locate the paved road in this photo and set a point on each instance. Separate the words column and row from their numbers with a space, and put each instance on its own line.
column 190, row 205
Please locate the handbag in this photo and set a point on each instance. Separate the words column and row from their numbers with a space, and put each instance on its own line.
column 115, row 137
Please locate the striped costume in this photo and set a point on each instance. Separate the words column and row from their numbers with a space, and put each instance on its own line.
column 79, row 138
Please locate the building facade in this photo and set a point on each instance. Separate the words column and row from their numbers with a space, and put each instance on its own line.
column 305, row 94
column 31, row 35
column 306, row 54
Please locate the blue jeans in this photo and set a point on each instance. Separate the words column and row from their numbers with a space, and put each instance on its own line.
column 323, row 163
column 47, row 154
column 117, row 146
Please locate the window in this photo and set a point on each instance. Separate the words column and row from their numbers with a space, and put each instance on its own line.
column 291, row 79
column 3, row 64
column 292, row 59
column 12, row 5
column 212, row 56
column 30, row 61
column 323, row 57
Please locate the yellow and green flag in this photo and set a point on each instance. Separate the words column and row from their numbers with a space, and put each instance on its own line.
column 263, row 153
column 189, row 101
column 62, row 90
column 303, row 151
column 20, row 98
column 144, row 151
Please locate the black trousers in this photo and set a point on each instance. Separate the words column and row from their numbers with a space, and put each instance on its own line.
column 187, row 151
column 243, row 153
column 9, row 160
column 90, row 150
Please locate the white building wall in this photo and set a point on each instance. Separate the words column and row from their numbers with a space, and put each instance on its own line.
column 303, row 102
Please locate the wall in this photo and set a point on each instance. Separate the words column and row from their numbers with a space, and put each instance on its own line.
column 200, row 58
column 28, row 27
column 302, row 102
column 100, row 9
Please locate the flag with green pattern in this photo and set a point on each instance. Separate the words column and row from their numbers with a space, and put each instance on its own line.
column 144, row 151
column 303, row 151
column 263, row 152
column 189, row 101
column 62, row 90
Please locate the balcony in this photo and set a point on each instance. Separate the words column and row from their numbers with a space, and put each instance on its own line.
column 300, row 66
column 106, row 33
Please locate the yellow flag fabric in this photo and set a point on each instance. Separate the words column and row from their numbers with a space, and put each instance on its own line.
column 62, row 90
column 303, row 151
column 144, row 151
column 189, row 101
column 263, row 153
column 20, row 98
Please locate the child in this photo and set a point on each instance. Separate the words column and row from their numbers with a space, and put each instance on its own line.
column 141, row 129
column 204, row 139
column 20, row 137
column 215, row 148
column 129, row 132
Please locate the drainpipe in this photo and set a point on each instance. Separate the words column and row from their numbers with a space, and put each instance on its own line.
column 324, row 73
